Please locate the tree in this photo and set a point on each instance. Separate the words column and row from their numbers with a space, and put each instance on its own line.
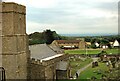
column 93, row 46
column 105, row 42
column 36, row 38
column 93, row 43
column 48, row 36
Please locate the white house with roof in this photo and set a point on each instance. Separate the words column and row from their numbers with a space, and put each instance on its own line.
column 116, row 44
column 97, row 44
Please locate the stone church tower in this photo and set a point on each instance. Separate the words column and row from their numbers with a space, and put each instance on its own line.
column 14, row 48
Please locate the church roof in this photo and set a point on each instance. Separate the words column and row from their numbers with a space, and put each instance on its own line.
column 41, row 51
column 56, row 49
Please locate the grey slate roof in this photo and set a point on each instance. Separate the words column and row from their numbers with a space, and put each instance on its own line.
column 56, row 49
column 41, row 51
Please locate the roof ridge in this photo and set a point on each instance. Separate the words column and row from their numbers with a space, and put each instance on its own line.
column 50, row 48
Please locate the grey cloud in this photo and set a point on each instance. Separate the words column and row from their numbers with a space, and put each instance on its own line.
column 111, row 6
column 69, row 13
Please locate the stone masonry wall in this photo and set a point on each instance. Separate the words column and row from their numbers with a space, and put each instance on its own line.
column 41, row 70
column 36, row 70
column 46, row 70
column 14, row 41
column 0, row 35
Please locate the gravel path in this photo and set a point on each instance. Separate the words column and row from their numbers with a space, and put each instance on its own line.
column 82, row 69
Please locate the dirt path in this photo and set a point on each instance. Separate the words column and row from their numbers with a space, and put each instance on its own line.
column 82, row 69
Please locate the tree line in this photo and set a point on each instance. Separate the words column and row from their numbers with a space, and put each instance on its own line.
column 47, row 36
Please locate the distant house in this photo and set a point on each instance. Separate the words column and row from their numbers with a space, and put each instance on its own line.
column 70, row 44
column 97, row 44
column 104, row 46
column 111, row 44
column 116, row 44
column 88, row 44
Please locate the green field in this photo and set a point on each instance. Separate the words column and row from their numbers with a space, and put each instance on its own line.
column 92, row 51
column 78, row 63
column 96, row 72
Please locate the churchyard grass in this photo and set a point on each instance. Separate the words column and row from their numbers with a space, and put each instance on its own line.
column 78, row 64
column 94, row 72
column 92, row 51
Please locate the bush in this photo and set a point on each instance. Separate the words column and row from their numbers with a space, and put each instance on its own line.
column 93, row 46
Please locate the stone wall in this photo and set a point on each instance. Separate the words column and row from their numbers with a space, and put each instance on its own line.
column 0, row 35
column 14, row 41
column 36, row 70
column 41, row 71
column 46, row 70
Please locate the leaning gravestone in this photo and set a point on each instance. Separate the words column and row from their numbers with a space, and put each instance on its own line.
column 96, row 63
column 93, row 64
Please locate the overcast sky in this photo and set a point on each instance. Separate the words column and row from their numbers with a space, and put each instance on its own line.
column 72, row 16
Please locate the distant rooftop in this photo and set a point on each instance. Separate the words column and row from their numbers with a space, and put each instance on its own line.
column 68, row 41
